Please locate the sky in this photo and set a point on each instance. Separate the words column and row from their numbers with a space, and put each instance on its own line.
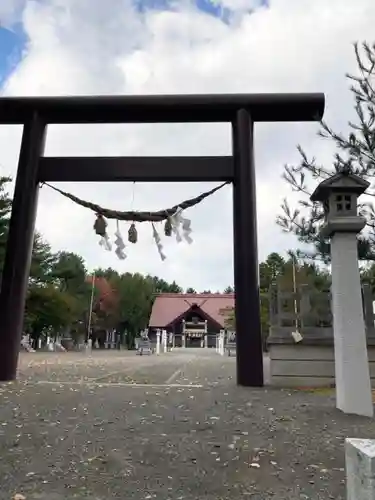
column 91, row 47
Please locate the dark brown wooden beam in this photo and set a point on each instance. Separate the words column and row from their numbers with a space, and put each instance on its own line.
column 246, row 282
column 136, row 169
column 19, row 247
column 163, row 108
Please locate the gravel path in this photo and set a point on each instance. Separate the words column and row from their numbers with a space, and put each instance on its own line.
column 73, row 426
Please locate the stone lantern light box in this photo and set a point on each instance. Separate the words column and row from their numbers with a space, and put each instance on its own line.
column 339, row 195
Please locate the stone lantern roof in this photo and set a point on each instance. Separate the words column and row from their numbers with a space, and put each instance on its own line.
column 342, row 181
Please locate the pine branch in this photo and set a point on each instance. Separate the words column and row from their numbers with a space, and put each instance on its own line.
column 355, row 152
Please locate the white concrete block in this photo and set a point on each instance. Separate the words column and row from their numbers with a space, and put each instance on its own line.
column 360, row 469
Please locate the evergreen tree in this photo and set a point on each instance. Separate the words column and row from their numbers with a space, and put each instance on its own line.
column 5, row 209
column 355, row 152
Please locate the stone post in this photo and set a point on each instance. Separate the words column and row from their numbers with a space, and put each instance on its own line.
column 360, row 469
column 183, row 339
column 221, row 342
column 89, row 346
column 339, row 195
column 157, row 341
column 164, row 340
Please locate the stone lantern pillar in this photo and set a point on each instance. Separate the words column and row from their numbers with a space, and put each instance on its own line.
column 339, row 195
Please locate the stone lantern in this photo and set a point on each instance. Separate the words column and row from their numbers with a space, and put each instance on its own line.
column 339, row 195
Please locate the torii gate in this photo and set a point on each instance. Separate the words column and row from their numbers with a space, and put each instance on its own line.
column 241, row 110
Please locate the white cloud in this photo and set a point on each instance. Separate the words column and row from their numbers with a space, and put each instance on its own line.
column 10, row 10
column 96, row 47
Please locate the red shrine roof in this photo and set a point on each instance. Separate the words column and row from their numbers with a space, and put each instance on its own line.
column 169, row 306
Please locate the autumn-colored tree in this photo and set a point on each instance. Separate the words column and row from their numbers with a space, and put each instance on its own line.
column 105, row 304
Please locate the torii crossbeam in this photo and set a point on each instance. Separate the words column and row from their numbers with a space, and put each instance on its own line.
column 241, row 110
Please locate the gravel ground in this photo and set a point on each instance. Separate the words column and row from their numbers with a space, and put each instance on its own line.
column 73, row 426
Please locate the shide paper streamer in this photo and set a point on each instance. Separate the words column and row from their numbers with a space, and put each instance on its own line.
column 175, row 224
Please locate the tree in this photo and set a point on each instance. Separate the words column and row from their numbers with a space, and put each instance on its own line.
column 69, row 270
column 174, row 288
column 5, row 209
column 136, row 295
column 42, row 256
column 190, row 290
column 44, row 307
column 368, row 276
column 270, row 272
column 229, row 318
column 355, row 153
column 59, row 289
column 105, row 301
column 42, row 261
column 161, row 286
column 69, row 274
column 48, row 310
column 270, row 269
column 296, row 272
column 57, row 293
column 124, row 302
column 277, row 270
column 229, row 289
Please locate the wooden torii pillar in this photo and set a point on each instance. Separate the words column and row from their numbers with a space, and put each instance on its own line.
column 241, row 110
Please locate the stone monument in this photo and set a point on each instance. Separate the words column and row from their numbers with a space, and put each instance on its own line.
column 339, row 195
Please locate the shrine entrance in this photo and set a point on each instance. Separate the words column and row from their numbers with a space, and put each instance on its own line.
column 241, row 110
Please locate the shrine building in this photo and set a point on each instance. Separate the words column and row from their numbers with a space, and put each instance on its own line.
column 194, row 320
